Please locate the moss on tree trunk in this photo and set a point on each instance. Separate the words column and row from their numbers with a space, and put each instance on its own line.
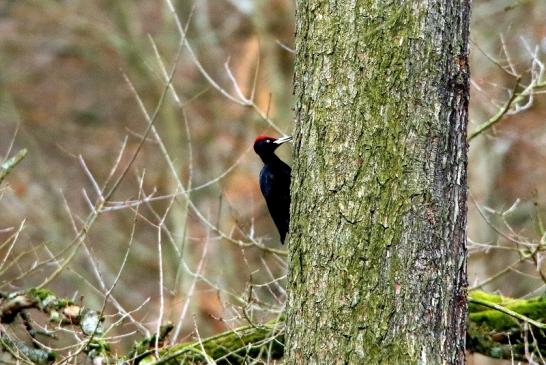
column 377, row 247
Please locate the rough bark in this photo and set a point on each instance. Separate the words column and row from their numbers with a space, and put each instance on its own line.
column 377, row 249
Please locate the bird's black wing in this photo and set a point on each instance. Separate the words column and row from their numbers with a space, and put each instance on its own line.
column 275, row 186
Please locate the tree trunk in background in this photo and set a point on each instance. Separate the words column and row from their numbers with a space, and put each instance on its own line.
column 377, row 247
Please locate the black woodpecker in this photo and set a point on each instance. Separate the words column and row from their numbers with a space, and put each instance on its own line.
column 275, row 181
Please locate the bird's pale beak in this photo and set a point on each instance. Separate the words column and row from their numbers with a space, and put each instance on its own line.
column 281, row 140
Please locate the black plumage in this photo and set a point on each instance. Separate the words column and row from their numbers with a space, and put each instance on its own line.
column 275, row 181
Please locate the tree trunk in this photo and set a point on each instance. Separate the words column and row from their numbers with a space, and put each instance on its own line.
column 377, row 249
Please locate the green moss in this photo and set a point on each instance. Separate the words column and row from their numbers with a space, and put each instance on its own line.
column 98, row 347
column 496, row 334
column 490, row 297
column 229, row 347
column 46, row 298
column 40, row 294
column 534, row 308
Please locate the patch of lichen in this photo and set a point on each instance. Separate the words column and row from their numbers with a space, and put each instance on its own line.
column 35, row 355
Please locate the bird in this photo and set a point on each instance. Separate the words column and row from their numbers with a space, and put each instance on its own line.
column 275, row 181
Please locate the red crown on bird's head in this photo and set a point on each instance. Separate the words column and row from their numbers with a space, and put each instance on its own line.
column 263, row 138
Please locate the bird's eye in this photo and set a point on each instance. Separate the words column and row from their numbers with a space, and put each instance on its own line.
column 268, row 140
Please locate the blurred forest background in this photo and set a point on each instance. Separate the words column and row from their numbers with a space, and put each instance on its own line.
column 214, row 261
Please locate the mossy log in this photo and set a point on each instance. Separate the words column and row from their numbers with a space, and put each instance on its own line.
column 237, row 346
column 502, row 327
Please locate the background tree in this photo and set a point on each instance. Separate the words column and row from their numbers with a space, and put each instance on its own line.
column 377, row 249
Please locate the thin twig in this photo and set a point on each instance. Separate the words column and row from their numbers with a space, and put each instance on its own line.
column 8, row 165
